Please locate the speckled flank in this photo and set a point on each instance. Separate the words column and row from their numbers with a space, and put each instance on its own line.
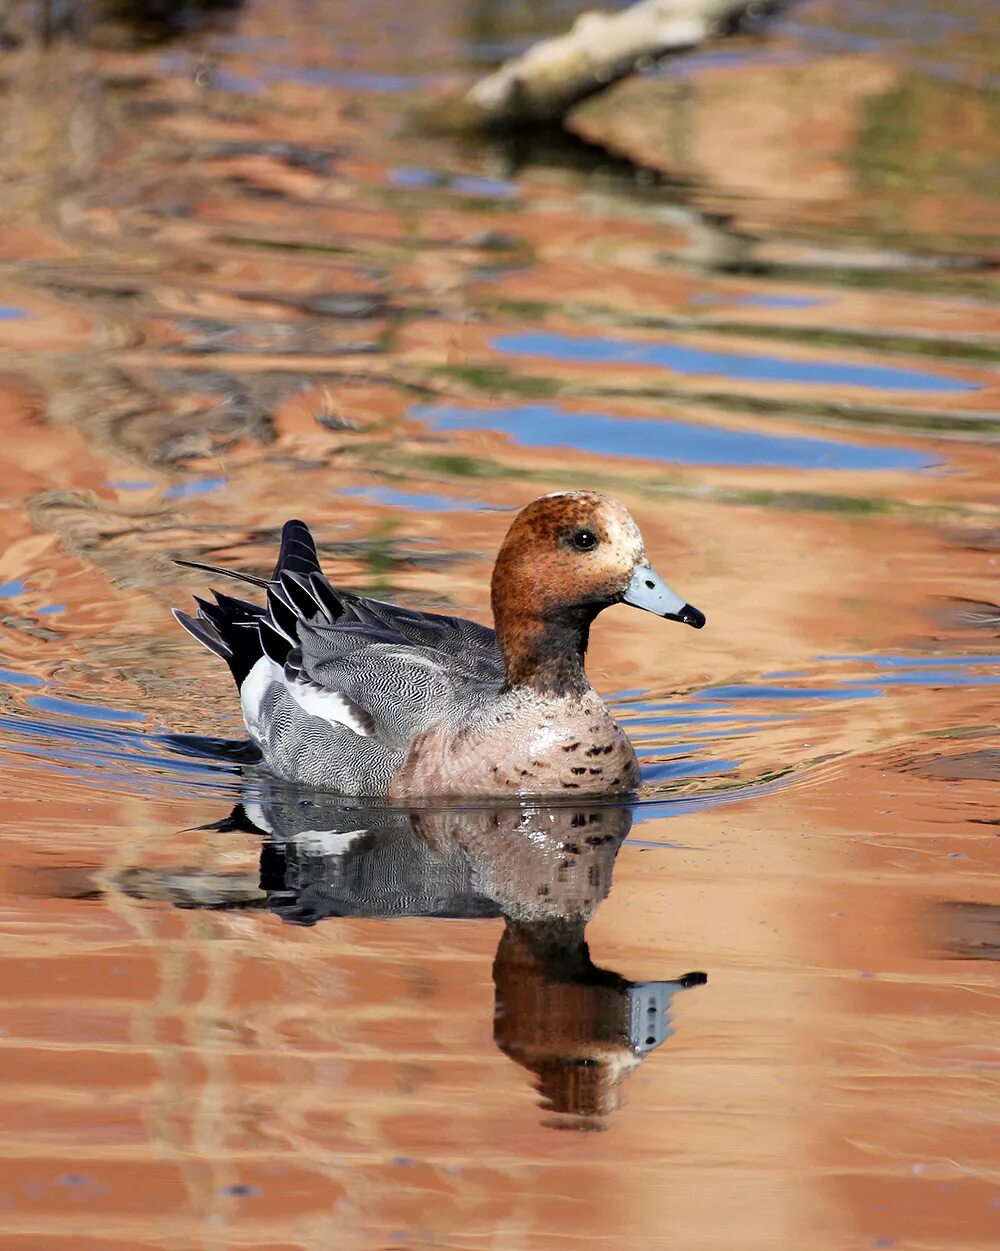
column 534, row 745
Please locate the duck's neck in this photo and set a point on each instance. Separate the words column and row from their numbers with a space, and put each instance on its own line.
column 545, row 654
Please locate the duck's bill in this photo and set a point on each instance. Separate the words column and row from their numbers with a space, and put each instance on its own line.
column 648, row 590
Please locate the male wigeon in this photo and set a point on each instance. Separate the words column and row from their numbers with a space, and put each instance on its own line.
column 366, row 698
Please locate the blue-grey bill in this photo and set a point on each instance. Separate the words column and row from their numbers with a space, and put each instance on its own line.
column 648, row 590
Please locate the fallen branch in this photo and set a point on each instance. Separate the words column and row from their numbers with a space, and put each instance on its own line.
column 548, row 79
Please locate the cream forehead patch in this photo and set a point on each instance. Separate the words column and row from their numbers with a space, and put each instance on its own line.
column 621, row 528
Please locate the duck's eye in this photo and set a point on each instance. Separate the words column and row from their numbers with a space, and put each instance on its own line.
column 584, row 540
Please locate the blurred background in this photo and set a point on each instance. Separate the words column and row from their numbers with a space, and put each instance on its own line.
column 256, row 263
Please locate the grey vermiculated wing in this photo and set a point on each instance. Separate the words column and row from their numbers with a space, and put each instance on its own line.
column 403, row 687
column 321, row 752
column 455, row 635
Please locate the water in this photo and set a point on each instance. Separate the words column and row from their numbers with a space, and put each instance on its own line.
column 675, row 442
column 755, row 1008
column 686, row 360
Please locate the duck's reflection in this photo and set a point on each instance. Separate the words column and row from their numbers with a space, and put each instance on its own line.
column 580, row 1029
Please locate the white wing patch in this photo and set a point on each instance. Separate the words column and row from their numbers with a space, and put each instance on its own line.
column 328, row 706
column 252, row 692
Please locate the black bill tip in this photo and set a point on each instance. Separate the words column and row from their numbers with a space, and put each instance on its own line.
column 688, row 615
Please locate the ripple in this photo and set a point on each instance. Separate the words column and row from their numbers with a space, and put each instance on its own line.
column 679, row 442
column 416, row 178
column 682, row 359
column 195, row 486
column 11, row 677
column 418, row 501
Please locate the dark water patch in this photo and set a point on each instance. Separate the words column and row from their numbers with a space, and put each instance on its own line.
column 658, row 774
column 10, row 312
column 454, row 465
column 195, row 487
column 342, row 305
column 910, row 273
column 764, row 300
column 933, row 677
column 206, row 336
column 683, row 359
column 416, row 501
column 916, row 662
column 876, row 416
column 933, row 671
column 76, row 708
column 285, row 245
column 84, row 746
column 848, row 690
column 351, row 80
column 657, row 808
column 545, row 425
column 939, row 348
column 226, row 80
column 11, row 677
column 313, row 159
column 418, row 178
column 204, row 747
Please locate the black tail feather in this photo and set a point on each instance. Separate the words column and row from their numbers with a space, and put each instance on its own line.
column 297, row 553
column 298, row 592
column 205, row 633
column 282, row 614
column 273, row 643
column 329, row 600
column 223, row 573
column 240, row 631
column 234, row 607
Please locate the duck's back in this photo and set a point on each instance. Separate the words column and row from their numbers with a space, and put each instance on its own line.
column 335, row 687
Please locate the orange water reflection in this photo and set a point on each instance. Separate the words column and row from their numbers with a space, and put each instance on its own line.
column 234, row 282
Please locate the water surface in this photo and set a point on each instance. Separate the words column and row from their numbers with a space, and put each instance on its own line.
column 756, row 1008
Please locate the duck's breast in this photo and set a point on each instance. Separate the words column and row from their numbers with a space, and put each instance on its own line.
column 530, row 747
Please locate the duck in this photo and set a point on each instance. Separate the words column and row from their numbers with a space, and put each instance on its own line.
column 352, row 695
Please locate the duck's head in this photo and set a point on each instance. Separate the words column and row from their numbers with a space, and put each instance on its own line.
column 565, row 558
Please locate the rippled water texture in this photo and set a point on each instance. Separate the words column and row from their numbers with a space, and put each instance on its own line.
column 750, row 294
